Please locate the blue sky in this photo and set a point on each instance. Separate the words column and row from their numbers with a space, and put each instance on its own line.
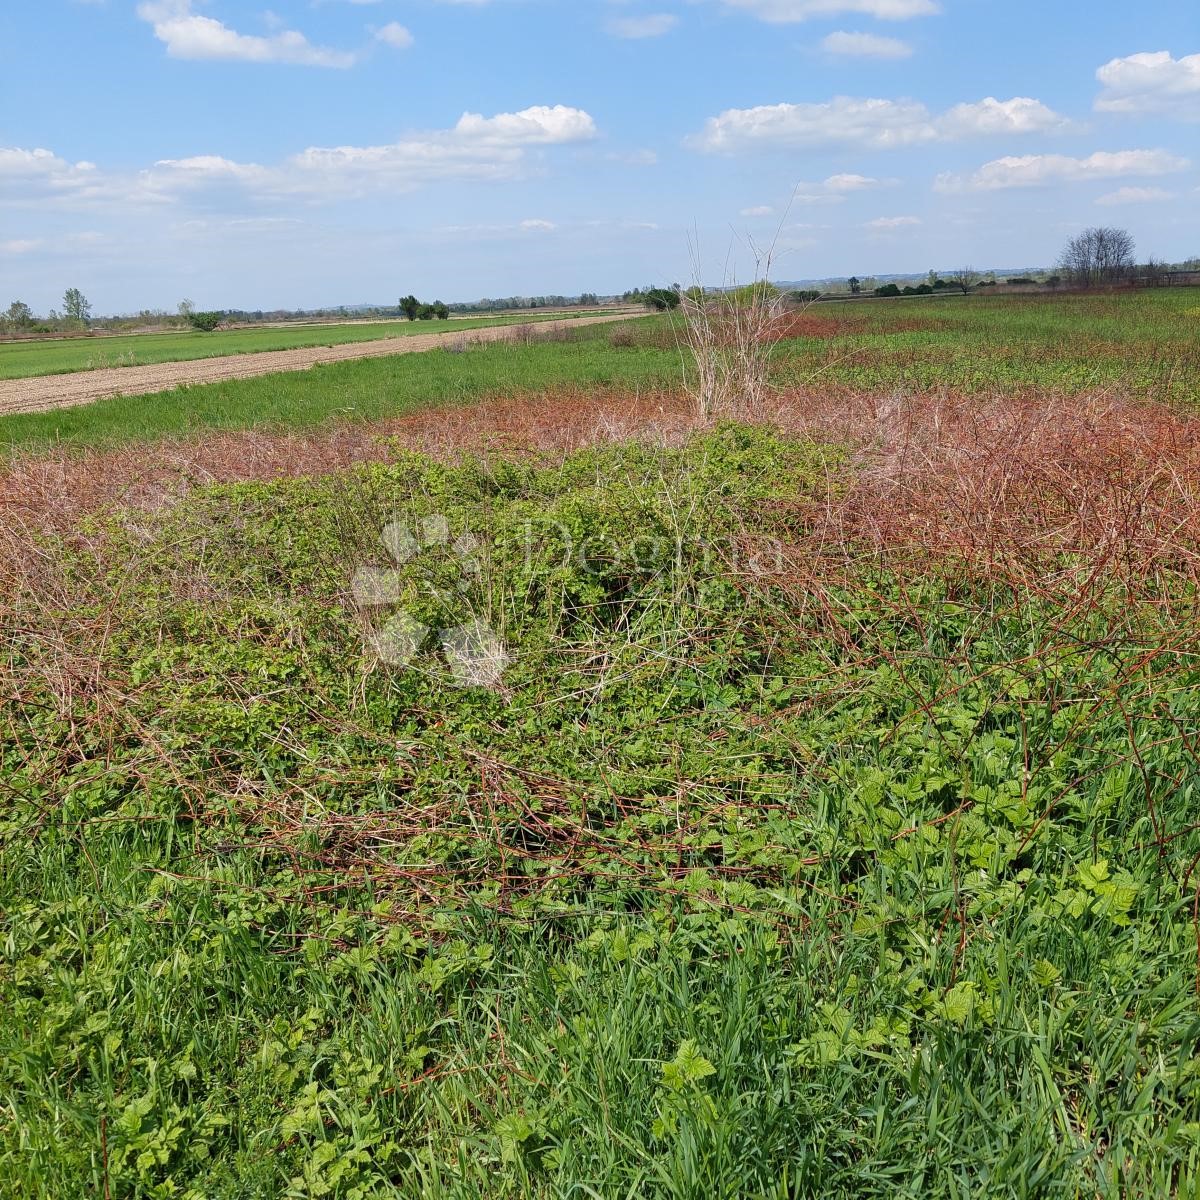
column 343, row 151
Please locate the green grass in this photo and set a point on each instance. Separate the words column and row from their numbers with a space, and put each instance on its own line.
column 1145, row 342
column 59, row 356
column 365, row 389
column 741, row 885
column 712, row 899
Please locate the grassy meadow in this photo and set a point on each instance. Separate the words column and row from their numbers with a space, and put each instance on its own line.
column 828, row 827
column 1145, row 344
column 60, row 356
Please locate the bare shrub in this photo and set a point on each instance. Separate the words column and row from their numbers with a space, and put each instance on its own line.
column 730, row 337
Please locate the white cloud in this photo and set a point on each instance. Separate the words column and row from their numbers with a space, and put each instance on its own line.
column 893, row 222
column 15, row 162
column 538, row 226
column 878, row 124
column 1135, row 195
column 476, row 148
column 20, row 246
column 395, row 35
column 540, row 125
column 650, row 26
column 759, row 210
column 189, row 36
column 855, row 183
column 991, row 116
column 873, row 124
column 1040, row 170
column 170, row 174
column 1151, row 83
column 44, row 177
column 865, row 45
column 786, row 12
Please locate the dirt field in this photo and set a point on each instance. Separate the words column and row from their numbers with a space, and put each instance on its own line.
column 67, row 391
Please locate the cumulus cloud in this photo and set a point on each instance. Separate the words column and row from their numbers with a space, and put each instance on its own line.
column 44, row 177
column 395, row 35
column 188, row 35
column 476, row 148
column 16, row 163
column 991, row 116
column 883, row 223
column 1151, row 83
column 786, row 12
column 539, row 125
column 1041, row 170
column 1135, row 195
column 865, row 45
column 650, row 26
column 872, row 124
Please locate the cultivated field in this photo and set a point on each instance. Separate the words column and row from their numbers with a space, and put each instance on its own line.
column 56, row 356
column 52, row 392
column 473, row 775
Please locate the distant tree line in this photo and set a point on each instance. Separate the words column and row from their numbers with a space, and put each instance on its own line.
column 507, row 303
column 1098, row 257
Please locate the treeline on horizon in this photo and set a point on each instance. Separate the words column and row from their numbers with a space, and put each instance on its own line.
column 1096, row 257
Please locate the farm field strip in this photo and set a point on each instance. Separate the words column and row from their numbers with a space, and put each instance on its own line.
column 58, row 356
column 29, row 395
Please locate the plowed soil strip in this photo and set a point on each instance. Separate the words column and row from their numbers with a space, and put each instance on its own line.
column 49, row 392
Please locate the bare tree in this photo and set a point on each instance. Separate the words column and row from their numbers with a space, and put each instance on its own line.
column 1098, row 256
column 966, row 278
column 1154, row 273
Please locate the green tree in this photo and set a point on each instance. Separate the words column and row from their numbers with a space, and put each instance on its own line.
column 855, row 285
column 661, row 299
column 206, row 322
column 76, row 306
column 18, row 315
column 440, row 310
column 410, row 306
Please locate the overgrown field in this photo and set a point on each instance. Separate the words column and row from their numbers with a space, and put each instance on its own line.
column 59, row 356
column 798, row 808
column 1145, row 344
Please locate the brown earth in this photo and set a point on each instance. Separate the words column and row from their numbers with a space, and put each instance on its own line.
column 47, row 392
